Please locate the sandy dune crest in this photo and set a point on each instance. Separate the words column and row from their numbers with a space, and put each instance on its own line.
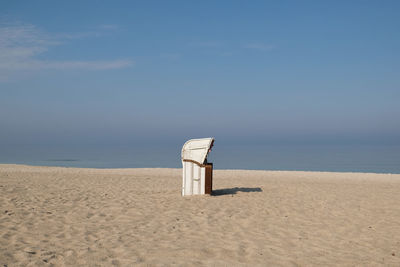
column 104, row 217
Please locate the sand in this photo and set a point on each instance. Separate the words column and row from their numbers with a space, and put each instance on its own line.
column 103, row 217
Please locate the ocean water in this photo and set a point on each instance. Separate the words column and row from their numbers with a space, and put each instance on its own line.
column 337, row 158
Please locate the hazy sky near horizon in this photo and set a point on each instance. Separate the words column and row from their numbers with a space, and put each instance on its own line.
column 123, row 71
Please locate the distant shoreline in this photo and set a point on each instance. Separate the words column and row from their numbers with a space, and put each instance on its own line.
column 215, row 169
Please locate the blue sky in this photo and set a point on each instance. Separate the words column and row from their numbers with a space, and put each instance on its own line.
column 73, row 72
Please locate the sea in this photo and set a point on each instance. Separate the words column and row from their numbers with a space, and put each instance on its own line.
column 300, row 157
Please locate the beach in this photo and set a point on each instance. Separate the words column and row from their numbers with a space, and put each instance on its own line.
column 102, row 217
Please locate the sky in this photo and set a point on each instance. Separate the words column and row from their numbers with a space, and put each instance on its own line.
column 119, row 72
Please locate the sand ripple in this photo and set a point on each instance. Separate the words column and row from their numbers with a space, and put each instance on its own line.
column 92, row 217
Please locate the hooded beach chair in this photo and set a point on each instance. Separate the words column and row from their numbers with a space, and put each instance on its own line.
column 197, row 172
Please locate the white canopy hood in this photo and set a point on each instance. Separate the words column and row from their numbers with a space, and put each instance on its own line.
column 197, row 149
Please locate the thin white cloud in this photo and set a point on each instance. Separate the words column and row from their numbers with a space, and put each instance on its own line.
column 207, row 44
column 78, row 35
column 112, row 27
column 226, row 54
column 64, row 65
column 259, row 46
column 217, row 44
column 20, row 46
column 171, row 56
column 102, row 30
